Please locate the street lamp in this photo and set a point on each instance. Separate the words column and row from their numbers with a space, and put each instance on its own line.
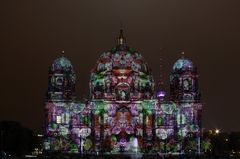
column 217, row 131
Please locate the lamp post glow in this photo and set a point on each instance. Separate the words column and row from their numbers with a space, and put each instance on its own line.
column 217, row 131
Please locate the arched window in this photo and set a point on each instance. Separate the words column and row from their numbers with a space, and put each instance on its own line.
column 122, row 92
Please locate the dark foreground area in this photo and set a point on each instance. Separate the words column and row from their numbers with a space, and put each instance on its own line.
column 125, row 156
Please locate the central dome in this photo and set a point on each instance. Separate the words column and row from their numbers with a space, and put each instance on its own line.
column 124, row 66
column 121, row 57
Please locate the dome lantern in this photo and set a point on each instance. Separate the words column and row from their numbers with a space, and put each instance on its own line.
column 121, row 38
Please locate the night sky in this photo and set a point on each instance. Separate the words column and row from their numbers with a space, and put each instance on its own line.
column 33, row 34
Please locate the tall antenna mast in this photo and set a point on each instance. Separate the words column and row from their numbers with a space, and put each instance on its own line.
column 161, row 80
column 160, row 90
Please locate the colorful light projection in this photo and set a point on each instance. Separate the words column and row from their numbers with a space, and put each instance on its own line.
column 183, row 64
column 68, row 126
column 123, row 114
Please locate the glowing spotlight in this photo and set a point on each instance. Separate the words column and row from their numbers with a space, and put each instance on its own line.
column 217, row 131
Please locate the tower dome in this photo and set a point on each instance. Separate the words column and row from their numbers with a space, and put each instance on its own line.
column 61, row 64
column 183, row 64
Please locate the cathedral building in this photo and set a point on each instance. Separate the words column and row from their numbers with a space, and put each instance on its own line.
column 124, row 112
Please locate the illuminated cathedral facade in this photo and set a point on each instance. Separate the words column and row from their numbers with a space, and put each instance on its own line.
column 124, row 113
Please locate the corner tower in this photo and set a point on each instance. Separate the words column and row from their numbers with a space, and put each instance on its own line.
column 61, row 80
column 184, row 81
column 60, row 101
column 184, row 91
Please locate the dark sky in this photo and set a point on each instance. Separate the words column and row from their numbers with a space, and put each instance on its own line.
column 33, row 33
